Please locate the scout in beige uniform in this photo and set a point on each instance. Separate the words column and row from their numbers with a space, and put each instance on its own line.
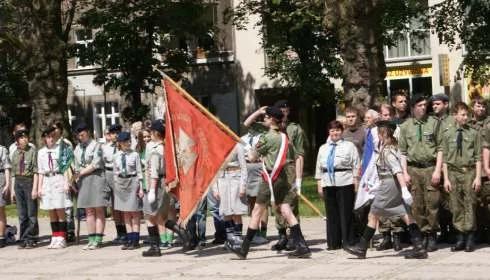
column 272, row 146
column 422, row 167
column 92, row 190
column 54, row 189
column 392, row 198
column 461, row 150
column 4, row 190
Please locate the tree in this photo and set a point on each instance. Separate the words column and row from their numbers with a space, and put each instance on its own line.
column 132, row 37
column 466, row 23
column 332, row 39
column 35, row 36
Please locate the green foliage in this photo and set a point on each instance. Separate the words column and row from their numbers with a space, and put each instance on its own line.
column 466, row 23
column 300, row 52
column 132, row 37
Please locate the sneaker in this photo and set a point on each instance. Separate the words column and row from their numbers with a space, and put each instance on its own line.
column 87, row 247
column 60, row 244
column 94, row 246
column 165, row 245
column 54, row 240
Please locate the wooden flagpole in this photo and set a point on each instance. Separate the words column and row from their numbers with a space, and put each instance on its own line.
column 312, row 206
column 201, row 108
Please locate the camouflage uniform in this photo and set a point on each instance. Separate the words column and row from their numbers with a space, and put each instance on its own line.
column 483, row 196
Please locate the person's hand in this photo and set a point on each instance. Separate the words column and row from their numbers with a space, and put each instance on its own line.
column 447, row 186
column 320, row 192
column 242, row 192
column 141, row 194
column 297, row 185
column 12, row 195
column 408, row 179
column 262, row 110
column 151, row 195
column 476, row 184
column 407, row 196
column 436, row 178
column 35, row 193
column 6, row 190
column 66, row 187
column 216, row 195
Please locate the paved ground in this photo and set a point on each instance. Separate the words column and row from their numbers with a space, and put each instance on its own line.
column 215, row 263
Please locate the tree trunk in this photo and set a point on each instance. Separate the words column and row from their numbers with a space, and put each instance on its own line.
column 357, row 24
column 45, row 45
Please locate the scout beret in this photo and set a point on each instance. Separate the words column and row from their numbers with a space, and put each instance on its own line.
column 439, row 97
column 81, row 127
column 388, row 124
column 20, row 133
column 157, row 125
column 274, row 112
column 123, row 136
column 283, row 103
column 48, row 130
column 115, row 128
column 417, row 98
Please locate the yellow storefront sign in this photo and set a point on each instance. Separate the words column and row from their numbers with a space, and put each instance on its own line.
column 408, row 71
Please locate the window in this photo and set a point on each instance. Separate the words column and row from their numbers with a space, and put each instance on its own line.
column 83, row 37
column 413, row 44
column 412, row 85
column 105, row 117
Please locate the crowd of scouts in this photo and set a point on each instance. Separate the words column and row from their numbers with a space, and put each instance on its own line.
column 425, row 171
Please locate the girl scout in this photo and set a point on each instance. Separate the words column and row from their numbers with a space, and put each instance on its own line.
column 128, row 188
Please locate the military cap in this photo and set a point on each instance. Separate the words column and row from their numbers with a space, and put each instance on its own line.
column 274, row 112
column 283, row 103
column 157, row 125
column 388, row 124
column 123, row 136
column 417, row 98
column 81, row 127
column 439, row 97
column 20, row 133
column 48, row 130
column 115, row 128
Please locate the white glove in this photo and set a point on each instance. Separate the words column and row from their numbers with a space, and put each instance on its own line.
column 406, row 196
column 297, row 185
column 151, row 195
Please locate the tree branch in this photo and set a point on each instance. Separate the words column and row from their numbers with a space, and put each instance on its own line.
column 70, row 12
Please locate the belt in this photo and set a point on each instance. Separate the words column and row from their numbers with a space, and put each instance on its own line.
column 51, row 174
column 109, row 168
column 126, row 176
column 422, row 164
column 324, row 170
column 22, row 177
column 461, row 169
column 381, row 177
column 234, row 168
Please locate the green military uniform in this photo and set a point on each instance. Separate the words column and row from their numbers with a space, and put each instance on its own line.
column 483, row 196
column 268, row 147
column 419, row 142
column 461, row 164
column 296, row 149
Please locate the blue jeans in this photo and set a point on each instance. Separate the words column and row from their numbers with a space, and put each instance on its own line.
column 197, row 223
column 219, row 223
column 26, row 209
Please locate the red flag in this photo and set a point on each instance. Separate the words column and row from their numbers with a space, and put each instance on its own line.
column 196, row 146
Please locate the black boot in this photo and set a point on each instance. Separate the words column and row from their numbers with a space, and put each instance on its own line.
column 302, row 251
column 282, row 242
column 360, row 249
column 154, row 250
column 182, row 233
column 419, row 251
column 121, row 238
column 432, row 242
column 241, row 250
column 425, row 239
column 386, row 243
column 3, row 242
column 460, row 243
column 470, row 242
column 397, row 244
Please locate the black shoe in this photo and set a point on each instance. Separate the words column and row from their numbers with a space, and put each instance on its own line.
column 460, row 243
column 281, row 243
column 22, row 245
column 470, row 242
column 425, row 240
column 126, row 245
column 397, row 244
column 218, row 241
column 418, row 251
column 133, row 245
column 301, row 252
column 241, row 250
column 70, row 237
column 3, row 242
column 290, row 245
column 356, row 250
column 153, row 251
column 182, row 233
column 386, row 243
column 432, row 242
column 120, row 240
column 30, row 244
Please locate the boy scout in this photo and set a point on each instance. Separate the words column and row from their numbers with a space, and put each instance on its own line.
column 270, row 146
column 4, row 190
column 24, row 169
column 109, row 149
column 461, row 150
column 422, row 168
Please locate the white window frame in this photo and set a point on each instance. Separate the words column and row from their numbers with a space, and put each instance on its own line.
column 103, row 117
column 85, row 43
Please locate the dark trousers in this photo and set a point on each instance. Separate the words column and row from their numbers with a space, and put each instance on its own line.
column 197, row 223
column 219, row 223
column 26, row 209
column 339, row 204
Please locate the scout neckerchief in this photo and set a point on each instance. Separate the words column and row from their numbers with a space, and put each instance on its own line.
column 65, row 156
column 459, row 141
column 331, row 162
column 278, row 164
